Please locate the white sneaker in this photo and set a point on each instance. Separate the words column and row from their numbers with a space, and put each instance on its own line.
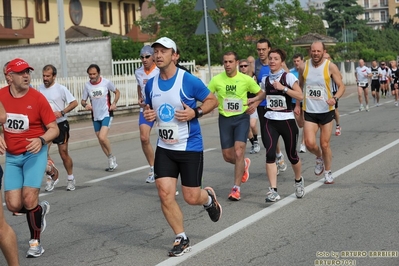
column 150, row 178
column 367, row 108
column 396, row 104
column 302, row 148
column 282, row 166
column 319, row 168
column 45, row 210
column 177, row 193
column 70, row 185
column 300, row 188
column 256, row 146
column 361, row 108
column 111, row 164
column 328, row 178
column 35, row 249
column 50, row 184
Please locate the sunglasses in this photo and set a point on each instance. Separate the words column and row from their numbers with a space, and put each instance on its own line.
column 244, row 66
column 146, row 57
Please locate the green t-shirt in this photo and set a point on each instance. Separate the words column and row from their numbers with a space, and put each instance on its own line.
column 232, row 92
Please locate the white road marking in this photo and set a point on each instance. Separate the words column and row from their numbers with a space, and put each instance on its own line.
column 229, row 231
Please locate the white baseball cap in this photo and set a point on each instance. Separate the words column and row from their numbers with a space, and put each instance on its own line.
column 166, row 42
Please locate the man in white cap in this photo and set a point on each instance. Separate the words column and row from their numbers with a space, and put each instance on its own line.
column 143, row 74
column 171, row 98
column 31, row 125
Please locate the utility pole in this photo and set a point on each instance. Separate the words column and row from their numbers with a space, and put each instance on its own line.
column 61, row 38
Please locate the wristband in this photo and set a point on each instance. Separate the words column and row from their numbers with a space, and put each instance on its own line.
column 43, row 141
column 62, row 113
column 198, row 112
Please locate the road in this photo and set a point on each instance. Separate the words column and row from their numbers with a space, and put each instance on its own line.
column 116, row 219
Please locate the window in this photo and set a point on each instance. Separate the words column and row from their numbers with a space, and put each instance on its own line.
column 366, row 4
column 130, row 16
column 42, row 11
column 397, row 10
column 366, row 16
column 106, row 13
column 383, row 3
column 383, row 15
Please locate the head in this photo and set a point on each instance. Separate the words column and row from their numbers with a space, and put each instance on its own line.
column 49, row 75
column 245, row 67
column 251, row 61
column 230, row 63
column 317, row 50
column 383, row 64
column 276, row 59
column 94, row 73
column 393, row 64
column 164, row 52
column 297, row 59
column 374, row 63
column 147, row 56
column 18, row 73
column 327, row 56
column 361, row 62
column 263, row 47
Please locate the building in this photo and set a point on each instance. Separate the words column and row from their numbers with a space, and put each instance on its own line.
column 36, row 21
column 376, row 12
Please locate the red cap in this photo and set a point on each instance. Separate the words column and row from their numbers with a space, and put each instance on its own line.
column 17, row 65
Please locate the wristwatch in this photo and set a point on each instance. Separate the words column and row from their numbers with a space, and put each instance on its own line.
column 62, row 113
column 336, row 99
column 43, row 141
column 285, row 90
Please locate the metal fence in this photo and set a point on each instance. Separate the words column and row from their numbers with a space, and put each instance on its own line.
column 129, row 66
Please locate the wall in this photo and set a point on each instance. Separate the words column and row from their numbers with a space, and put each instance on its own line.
column 79, row 53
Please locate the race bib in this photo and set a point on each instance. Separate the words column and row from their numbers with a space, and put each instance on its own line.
column 276, row 102
column 375, row 75
column 168, row 133
column 314, row 93
column 232, row 105
column 96, row 93
column 362, row 84
column 16, row 123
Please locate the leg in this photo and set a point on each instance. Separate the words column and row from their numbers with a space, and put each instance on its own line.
column 66, row 159
column 359, row 94
column 145, row 131
column 325, row 135
column 366, row 95
column 8, row 240
column 310, row 130
column 105, row 144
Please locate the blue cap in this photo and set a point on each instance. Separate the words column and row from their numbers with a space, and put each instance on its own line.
column 147, row 50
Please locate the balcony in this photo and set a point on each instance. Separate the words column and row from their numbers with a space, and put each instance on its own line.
column 16, row 28
column 375, row 6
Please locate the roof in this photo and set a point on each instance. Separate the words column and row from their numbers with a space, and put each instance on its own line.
column 307, row 39
column 79, row 32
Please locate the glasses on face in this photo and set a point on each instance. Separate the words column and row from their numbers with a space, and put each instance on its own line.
column 23, row 72
column 146, row 57
column 243, row 66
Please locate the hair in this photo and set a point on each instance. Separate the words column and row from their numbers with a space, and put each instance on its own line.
column 93, row 66
column 264, row 40
column 53, row 68
column 282, row 54
column 298, row 55
column 231, row 53
column 322, row 43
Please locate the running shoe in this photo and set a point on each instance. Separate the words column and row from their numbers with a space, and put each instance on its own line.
column 319, row 168
column 396, row 104
column 245, row 176
column 45, row 210
column 235, row 194
column 111, row 164
column 282, row 166
column 180, row 247
column 367, row 108
column 361, row 108
column 302, row 148
column 338, row 131
column 328, row 178
column 17, row 214
column 50, row 184
column 378, row 104
column 300, row 188
column 70, row 185
column 53, row 173
column 252, row 151
column 272, row 196
column 256, row 146
column 177, row 193
column 35, row 249
column 150, row 178
column 215, row 209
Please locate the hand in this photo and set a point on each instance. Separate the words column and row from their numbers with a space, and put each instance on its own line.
column 57, row 114
column 35, row 145
column 331, row 102
column 278, row 86
column 186, row 114
column 88, row 107
column 141, row 103
column 113, row 107
column 3, row 146
column 297, row 110
column 149, row 114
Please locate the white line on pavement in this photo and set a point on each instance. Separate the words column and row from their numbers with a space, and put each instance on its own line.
column 210, row 241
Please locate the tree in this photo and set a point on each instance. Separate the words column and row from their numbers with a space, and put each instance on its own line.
column 342, row 15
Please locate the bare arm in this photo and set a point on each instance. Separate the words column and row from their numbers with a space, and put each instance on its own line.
column 337, row 77
column 3, row 114
column 116, row 99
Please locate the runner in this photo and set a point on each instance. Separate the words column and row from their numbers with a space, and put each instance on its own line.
column 375, row 82
column 362, row 74
column 394, row 80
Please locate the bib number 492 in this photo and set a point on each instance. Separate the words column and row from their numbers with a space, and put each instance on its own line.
column 165, row 134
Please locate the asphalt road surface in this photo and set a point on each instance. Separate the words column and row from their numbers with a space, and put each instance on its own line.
column 116, row 219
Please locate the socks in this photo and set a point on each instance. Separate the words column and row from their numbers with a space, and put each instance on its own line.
column 34, row 218
column 182, row 235
column 71, row 177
